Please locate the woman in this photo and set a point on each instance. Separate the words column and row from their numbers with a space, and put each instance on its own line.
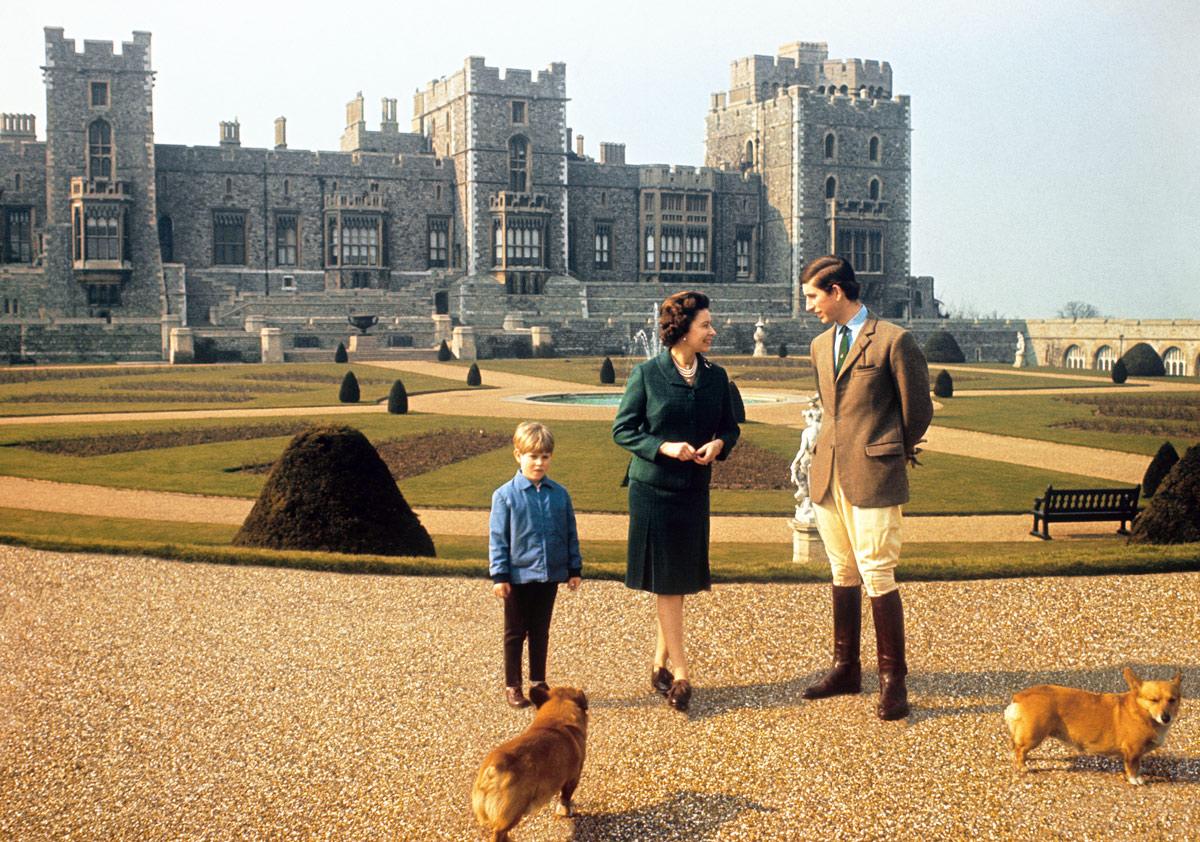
column 676, row 418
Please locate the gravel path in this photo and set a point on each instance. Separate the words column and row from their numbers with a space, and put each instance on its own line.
column 143, row 699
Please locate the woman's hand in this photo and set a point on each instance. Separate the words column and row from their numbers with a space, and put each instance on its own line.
column 501, row 590
column 708, row 452
column 680, row 450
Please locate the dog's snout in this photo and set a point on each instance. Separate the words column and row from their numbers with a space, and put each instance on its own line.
column 1166, row 718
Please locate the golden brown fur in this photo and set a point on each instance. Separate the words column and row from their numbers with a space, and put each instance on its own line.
column 546, row 759
column 1126, row 724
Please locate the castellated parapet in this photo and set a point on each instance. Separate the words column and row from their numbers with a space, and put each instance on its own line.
column 97, row 55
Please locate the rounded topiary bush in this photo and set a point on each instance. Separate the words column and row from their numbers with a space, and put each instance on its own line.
column 1158, row 468
column 1143, row 361
column 783, row 351
column 331, row 491
column 349, row 393
column 340, row 355
column 473, row 378
column 607, row 374
column 942, row 347
column 1119, row 372
column 443, row 353
column 1173, row 514
column 397, row 399
column 739, row 406
column 943, row 385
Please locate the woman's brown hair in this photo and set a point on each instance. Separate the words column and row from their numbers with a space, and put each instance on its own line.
column 676, row 314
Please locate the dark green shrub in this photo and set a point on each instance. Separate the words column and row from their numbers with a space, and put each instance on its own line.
column 1119, row 372
column 942, row 347
column 739, row 406
column 1158, row 468
column 607, row 375
column 330, row 491
column 943, row 385
column 397, row 399
column 340, row 355
column 783, row 351
column 1173, row 514
column 444, row 354
column 1143, row 361
column 349, row 392
column 473, row 378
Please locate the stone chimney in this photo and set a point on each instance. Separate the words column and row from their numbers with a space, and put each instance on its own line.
column 579, row 145
column 281, row 132
column 612, row 153
column 231, row 133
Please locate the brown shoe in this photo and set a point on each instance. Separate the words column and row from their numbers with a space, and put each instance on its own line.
column 661, row 680
column 680, row 695
column 515, row 698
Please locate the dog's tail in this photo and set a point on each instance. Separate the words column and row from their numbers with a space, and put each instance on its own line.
column 1012, row 715
column 488, row 795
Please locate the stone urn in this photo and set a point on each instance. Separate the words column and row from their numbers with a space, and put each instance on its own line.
column 363, row 323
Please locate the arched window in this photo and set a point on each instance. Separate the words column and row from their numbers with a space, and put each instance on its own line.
column 1074, row 358
column 821, row 89
column 873, row 149
column 1174, row 362
column 830, row 145
column 830, row 187
column 100, row 151
column 1105, row 358
column 228, row 186
column 873, row 189
column 749, row 158
column 518, row 165
column 843, row 90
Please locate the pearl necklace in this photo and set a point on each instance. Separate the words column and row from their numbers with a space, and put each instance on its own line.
column 689, row 372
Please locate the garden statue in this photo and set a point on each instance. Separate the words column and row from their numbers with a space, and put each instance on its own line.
column 803, row 462
column 760, row 335
column 1019, row 359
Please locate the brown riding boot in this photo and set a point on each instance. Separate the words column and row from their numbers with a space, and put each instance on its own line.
column 889, row 639
column 846, row 675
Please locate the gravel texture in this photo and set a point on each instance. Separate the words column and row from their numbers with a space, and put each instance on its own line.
column 145, row 699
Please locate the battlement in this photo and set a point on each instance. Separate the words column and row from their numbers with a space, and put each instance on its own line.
column 97, row 55
column 762, row 78
column 677, row 176
column 856, row 75
column 550, row 83
column 18, row 126
column 283, row 162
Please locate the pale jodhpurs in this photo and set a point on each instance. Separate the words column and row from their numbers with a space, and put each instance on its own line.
column 863, row 545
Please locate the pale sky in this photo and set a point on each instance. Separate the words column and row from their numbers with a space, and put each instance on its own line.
column 1054, row 142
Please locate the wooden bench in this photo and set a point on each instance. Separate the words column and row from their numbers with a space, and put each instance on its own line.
column 1072, row 505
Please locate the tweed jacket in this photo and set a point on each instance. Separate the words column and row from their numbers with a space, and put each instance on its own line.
column 875, row 411
column 658, row 406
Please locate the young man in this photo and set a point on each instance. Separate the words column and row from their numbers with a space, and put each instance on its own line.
column 874, row 387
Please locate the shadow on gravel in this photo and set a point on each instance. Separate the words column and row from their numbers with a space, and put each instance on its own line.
column 714, row 701
column 684, row 816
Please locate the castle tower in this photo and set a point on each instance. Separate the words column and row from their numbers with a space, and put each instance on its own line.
column 101, row 244
column 507, row 137
column 832, row 147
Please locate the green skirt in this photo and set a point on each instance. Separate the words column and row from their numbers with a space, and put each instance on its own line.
column 668, row 540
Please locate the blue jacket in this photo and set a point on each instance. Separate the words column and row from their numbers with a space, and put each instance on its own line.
column 532, row 533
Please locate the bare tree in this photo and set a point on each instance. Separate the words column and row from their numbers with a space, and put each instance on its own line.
column 1078, row 310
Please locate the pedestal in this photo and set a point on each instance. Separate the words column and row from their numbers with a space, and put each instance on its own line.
column 442, row 330
column 183, row 347
column 272, row 344
column 541, row 340
column 360, row 342
column 463, row 343
column 807, row 547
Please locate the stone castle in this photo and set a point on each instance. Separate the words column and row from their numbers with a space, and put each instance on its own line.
column 486, row 223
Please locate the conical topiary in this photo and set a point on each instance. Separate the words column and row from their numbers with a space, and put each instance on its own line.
column 783, row 350
column 473, row 378
column 1173, row 514
column 739, row 406
column 942, row 347
column 607, row 374
column 331, row 491
column 943, row 385
column 444, row 354
column 1143, row 361
column 349, row 392
column 340, row 355
column 397, row 399
column 1158, row 468
column 1119, row 372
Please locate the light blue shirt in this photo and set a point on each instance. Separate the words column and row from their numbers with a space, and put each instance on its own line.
column 532, row 534
column 855, row 326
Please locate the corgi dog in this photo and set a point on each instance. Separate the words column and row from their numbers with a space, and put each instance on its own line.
column 546, row 759
column 1127, row 724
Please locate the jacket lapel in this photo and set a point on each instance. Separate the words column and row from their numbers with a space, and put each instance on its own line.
column 860, row 344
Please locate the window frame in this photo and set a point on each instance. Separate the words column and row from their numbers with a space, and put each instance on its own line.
column 25, row 251
column 226, row 250
column 602, row 244
column 100, row 151
column 281, row 218
column 93, row 85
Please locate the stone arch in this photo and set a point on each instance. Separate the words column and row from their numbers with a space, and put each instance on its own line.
column 831, row 187
column 830, row 145
column 873, row 148
column 1104, row 358
column 874, row 189
column 1174, row 362
column 1074, row 357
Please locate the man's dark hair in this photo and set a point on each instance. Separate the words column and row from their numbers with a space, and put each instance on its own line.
column 676, row 314
column 829, row 271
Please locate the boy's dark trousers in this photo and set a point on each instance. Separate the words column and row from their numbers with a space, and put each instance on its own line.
column 527, row 612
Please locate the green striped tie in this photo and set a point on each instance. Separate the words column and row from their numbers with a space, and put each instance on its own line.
column 843, row 349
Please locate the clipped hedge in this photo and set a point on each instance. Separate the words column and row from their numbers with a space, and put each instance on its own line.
column 1159, row 467
column 473, row 378
column 340, row 355
column 1143, row 361
column 943, row 385
column 607, row 374
column 397, row 403
column 349, row 392
column 942, row 347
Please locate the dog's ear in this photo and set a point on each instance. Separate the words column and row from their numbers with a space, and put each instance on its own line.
column 1177, row 679
column 1132, row 680
column 538, row 695
column 582, row 701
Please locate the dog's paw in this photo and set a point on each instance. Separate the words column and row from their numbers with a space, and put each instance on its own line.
column 1137, row 780
column 565, row 810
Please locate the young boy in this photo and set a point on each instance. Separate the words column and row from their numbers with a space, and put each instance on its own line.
column 533, row 546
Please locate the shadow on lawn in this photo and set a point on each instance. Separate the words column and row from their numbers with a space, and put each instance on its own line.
column 684, row 816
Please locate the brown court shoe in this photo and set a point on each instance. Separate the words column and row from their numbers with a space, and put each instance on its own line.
column 680, row 695
column 661, row 680
column 515, row 698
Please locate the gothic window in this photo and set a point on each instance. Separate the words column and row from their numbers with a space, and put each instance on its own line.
column 287, row 239
column 518, row 165
column 353, row 239
column 99, row 94
column 697, row 204
column 672, row 202
column 603, row 239
column 100, row 151
column 874, row 251
column 745, row 236
column 873, row 149
column 830, row 187
column 104, row 295
column 1105, row 358
column 228, row 186
column 648, row 201
column 649, row 254
column 166, row 239
column 439, row 243
column 873, row 189
column 229, row 238
column 697, row 250
column 101, row 231
column 863, row 248
column 1174, row 362
column 18, row 236
column 520, row 113
column 830, row 146
column 1074, row 358
column 671, row 248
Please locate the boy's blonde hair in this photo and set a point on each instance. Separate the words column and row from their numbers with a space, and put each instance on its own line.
column 533, row 437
